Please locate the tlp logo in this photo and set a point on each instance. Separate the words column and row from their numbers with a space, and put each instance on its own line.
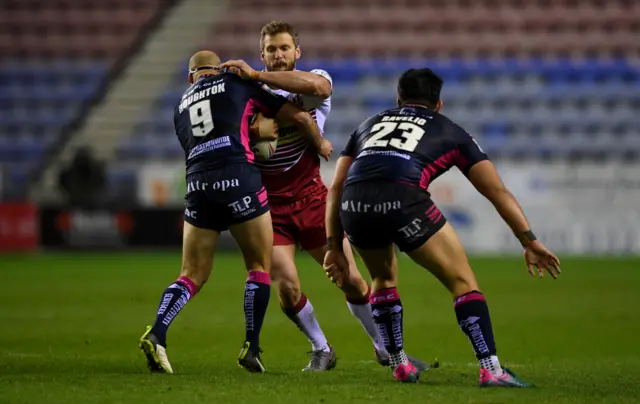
column 241, row 206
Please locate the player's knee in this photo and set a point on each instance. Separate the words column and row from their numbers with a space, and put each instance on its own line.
column 354, row 285
column 462, row 282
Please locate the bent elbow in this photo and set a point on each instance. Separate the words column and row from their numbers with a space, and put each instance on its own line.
column 323, row 91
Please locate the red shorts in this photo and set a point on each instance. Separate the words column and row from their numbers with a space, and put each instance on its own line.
column 301, row 221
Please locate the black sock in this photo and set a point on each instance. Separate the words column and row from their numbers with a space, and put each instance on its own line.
column 387, row 314
column 257, row 291
column 473, row 317
column 174, row 298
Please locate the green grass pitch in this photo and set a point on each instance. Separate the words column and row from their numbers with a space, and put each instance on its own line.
column 69, row 326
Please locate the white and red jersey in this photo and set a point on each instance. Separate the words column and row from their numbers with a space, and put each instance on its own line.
column 295, row 165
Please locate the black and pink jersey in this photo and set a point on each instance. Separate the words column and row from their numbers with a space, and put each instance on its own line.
column 410, row 145
column 213, row 117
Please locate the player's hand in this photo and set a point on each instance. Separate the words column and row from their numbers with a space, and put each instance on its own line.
column 325, row 148
column 335, row 266
column 537, row 256
column 241, row 68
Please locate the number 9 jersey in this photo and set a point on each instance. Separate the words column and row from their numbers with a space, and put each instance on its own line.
column 212, row 120
column 411, row 145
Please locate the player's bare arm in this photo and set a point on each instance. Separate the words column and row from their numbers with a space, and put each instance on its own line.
column 308, row 127
column 487, row 181
column 296, row 81
column 335, row 262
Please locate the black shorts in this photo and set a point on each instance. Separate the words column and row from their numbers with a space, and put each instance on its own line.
column 217, row 199
column 377, row 213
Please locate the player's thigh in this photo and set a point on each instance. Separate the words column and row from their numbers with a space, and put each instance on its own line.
column 255, row 239
column 309, row 219
column 202, row 227
column 369, row 235
column 284, row 230
column 198, row 246
column 382, row 266
column 444, row 256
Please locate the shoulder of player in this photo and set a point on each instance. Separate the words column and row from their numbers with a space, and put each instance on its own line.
column 368, row 123
column 320, row 72
column 450, row 126
column 323, row 73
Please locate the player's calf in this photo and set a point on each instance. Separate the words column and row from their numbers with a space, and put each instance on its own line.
column 255, row 240
column 387, row 314
column 444, row 256
column 198, row 247
column 299, row 309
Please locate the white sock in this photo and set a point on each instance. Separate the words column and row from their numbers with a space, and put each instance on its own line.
column 363, row 313
column 398, row 358
column 307, row 323
column 492, row 364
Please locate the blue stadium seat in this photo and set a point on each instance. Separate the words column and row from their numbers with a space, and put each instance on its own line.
column 515, row 107
column 37, row 99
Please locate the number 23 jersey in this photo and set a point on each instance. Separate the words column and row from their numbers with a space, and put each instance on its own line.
column 410, row 145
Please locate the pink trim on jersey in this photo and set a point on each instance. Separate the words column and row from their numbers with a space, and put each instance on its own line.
column 444, row 162
column 244, row 129
column 425, row 179
column 263, row 108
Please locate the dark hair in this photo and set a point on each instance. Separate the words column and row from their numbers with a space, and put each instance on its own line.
column 421, row 86
column 279, row 27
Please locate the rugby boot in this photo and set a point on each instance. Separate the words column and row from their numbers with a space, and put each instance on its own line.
column 321, row 361
column 507, row 379
column 249, row 359
column 156, row 354
column 406, row 373
column 419, row 364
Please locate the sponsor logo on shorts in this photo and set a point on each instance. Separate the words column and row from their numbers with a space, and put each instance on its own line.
column 412, row 228
column 362, row 207
column 190, row 213
column 242, row 207
column 216, row 186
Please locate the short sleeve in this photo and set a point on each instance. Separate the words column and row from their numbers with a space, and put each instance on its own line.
column 310, row 102
column 324, row 74
column 268, row 102
column 469, row 152
column 350, row 148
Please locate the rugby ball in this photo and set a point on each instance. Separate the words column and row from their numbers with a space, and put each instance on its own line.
column 260, row 127
column 264, row 149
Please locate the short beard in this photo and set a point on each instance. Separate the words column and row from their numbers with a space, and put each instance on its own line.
column 288, row 68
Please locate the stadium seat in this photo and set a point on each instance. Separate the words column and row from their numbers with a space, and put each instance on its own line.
column 44, row 83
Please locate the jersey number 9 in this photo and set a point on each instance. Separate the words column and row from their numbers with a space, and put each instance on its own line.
column 406, row 140
column 201, row 118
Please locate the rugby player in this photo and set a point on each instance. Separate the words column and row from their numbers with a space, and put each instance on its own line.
column 297, row 194
column 224, row 191
column 380, row 197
